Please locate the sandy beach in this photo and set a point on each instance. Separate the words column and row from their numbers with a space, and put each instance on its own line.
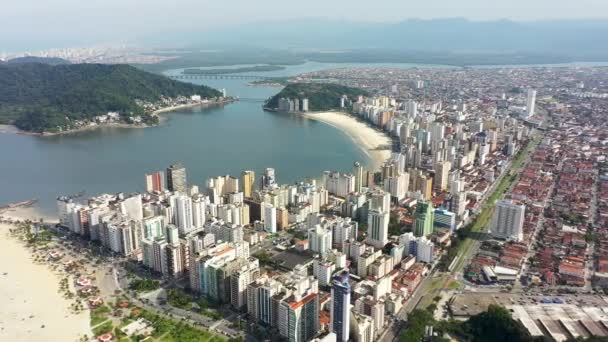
column 32, row 307
column 27, row 213
column 366, row 137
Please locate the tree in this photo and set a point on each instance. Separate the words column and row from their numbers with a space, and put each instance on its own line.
column 264, row 257
column 416, row 322
column 496, row 325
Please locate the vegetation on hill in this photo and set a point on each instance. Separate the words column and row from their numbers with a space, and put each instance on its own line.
column 42, row 60
column 43, row 98
column 321, row 96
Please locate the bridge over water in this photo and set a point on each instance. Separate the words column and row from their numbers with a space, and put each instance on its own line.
column 249, row 99
column 221, row 77
column 258, row 77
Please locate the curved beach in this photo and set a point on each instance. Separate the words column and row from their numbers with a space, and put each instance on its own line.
column 366, row 137
column 33, row 309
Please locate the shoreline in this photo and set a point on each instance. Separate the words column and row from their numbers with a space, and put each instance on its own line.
column 33, row 306
column 368, row 139
column 12, row 129
column 31, row 213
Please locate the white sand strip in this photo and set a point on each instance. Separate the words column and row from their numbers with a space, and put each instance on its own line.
column 30, row 299
column 366, row 137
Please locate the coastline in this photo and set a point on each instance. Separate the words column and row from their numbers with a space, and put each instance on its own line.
column 33, row 306
column 365, row 137
column 21, row 214
column 12, row 129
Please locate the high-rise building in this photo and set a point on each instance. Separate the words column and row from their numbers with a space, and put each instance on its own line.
column 362, row 328
column 442, row 172
column 154, row 227
column 380, row 200
column 268, row 179
column 320, row 240
column 299, row 317
column 377, row 228
column 444, row 219
column 424, row 250
column 270, row 218
column 397, row 185
column 530, row 102
column 340, row 307
column 239, row 282
column 458, row 203
column 176, row 178
column 424, row 184
column 305, row 104
column 222, row 186
column 248, row 181
column 182, row 209
column 65, row 207
column 358, row 172
column 199, row 211
column 339, row 184
column 259, row 294
column 508, row 220
column 423, row 219
column 132, row 207
column 344, row 230
column 155, row 182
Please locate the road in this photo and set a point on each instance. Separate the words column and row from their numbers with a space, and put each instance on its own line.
column 438, row 278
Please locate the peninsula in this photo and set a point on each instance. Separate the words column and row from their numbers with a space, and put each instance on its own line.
column 321, row 97
column 42, row 98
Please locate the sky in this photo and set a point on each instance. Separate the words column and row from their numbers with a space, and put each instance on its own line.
column 63, row 22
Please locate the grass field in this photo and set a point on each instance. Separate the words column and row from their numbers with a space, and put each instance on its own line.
column 99, row 315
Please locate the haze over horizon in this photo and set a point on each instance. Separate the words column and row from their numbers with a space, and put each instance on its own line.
column 77, row 23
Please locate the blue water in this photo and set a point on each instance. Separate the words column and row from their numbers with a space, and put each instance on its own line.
column 210, row 142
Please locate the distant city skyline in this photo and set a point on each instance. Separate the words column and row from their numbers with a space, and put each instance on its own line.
column 77, row 23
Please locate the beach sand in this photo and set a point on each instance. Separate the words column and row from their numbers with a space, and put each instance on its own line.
column 32, row 213
column 366, row 137
column 30, row 298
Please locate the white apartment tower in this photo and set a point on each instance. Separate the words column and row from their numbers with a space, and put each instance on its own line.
column 270, row 218
column 377, row 228
column 508, row 220
column 398, row 185
column 182, row 205
column 320, row 240
column 531, row 102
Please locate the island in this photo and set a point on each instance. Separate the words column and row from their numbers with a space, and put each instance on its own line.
column 312, row 97
column 46, row 99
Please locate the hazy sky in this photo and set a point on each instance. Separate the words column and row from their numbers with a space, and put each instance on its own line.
column 35, row 22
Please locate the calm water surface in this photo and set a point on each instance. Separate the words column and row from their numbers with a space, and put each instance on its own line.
column 210, row 142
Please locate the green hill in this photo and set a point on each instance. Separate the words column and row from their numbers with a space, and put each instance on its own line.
column 42, row 60
column 321, row 96
column 44, row 98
